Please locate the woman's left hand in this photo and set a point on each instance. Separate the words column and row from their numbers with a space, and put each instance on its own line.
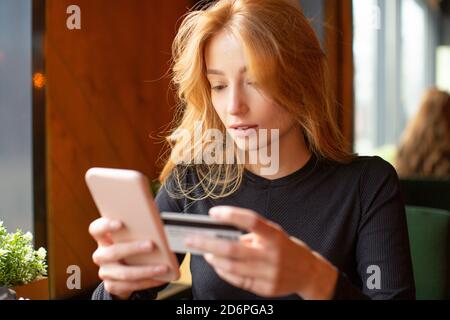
column 266, row 261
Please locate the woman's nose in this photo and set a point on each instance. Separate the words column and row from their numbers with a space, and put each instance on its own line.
column 237, row 102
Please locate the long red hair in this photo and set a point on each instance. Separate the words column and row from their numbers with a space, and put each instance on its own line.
column 276, row 35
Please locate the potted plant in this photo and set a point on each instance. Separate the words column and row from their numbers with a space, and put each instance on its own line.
column 20, row 264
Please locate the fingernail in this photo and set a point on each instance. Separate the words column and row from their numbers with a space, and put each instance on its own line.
column 115, row 224
column 146, row 245
column 214, row 212
column 208, row 257
column 189, row 241
column 160, row 269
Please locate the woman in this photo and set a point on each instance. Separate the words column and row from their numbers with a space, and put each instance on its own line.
column 324, row 225
column 425, row 147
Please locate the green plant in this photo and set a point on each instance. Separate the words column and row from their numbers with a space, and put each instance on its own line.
column 19, row 262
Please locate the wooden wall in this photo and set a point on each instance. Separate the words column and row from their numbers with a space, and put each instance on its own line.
column 105, row 95
column 339, row 49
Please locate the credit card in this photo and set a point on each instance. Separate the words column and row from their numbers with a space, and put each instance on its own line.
column 178, row 226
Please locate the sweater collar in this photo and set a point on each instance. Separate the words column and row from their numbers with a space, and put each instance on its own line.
column 295, row 176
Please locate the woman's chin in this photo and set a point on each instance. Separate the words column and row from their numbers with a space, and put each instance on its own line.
column 245, row 146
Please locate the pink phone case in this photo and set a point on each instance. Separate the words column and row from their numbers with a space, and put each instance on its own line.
column 125, row 195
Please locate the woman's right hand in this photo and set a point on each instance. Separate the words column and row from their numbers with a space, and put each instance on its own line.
column 121, row 280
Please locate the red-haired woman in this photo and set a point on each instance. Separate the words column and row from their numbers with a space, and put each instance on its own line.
column 325, row 224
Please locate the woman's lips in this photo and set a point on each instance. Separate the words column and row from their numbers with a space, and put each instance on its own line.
column 243, row 132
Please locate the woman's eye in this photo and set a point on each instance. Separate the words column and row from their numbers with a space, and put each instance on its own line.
column 218, row 87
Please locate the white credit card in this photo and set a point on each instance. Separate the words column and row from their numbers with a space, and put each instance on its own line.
column 178, row 226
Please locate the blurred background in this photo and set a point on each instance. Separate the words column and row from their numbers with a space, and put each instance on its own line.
column 87, row 86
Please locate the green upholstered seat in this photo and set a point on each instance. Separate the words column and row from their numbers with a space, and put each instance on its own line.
column 429, row 236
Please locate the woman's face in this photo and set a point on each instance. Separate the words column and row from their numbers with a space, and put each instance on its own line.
column 236, row 97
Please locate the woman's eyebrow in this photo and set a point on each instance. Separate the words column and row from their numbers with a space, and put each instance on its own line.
column 221, row 73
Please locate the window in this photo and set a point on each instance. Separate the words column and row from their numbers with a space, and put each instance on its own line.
column 394, row 43
column 16, row 183
column 22, row 118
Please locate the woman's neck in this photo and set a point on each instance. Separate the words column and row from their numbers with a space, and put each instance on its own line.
column 293, row 155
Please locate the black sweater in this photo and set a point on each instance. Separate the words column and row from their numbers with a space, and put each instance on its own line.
column 351, row 214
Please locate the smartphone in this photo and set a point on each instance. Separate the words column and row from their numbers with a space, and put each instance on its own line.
column 125, row 195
